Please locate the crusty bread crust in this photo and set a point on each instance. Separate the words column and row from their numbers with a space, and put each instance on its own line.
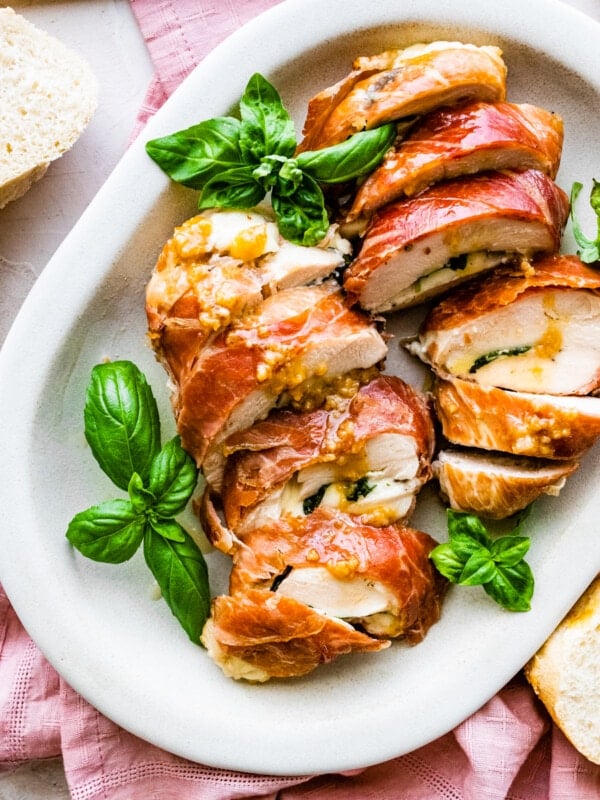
column 565, row 674
column 48, row 94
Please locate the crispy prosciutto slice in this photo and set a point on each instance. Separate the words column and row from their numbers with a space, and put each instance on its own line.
column 532, row 329
column 463, row 140
column 402, row 83
column 260, row 635
column 495, row 485
column 216, row 266
column 418, row 247
column 293, row 349
column 367, row 454
column 522, row 423
column 380, row 578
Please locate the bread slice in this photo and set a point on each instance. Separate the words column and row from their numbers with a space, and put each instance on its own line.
column 565, row 674
column 48, row 94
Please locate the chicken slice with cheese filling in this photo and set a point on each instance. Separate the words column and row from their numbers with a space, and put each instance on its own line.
column 296, row 348
column 367, row 454
column 402, row 83
column 463, row 140
column 531, row 329
column 495, row 485
column 418, row 247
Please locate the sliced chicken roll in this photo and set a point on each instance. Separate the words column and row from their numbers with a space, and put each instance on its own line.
column 525, row 424
column 494, row 485
column 451, row 142
column 533, row 329
column 368, row 455
column 380, row 578
column 298, row 347
column 218, row 265
column 418, row 247
column 260, row 635
column 402, row 83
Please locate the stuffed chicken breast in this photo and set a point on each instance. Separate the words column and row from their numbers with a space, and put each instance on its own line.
column 496, row 485
column 402, row 83
column 418, row 247
column 534, row 329
column 367, row 454
column 463, row 140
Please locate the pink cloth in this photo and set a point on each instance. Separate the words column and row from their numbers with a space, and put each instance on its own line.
column 509, row 750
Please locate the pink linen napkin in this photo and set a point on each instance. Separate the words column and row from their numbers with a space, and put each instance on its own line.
column 508, row 750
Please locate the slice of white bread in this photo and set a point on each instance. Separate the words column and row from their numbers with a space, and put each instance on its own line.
column 48, row 94
column 565, row 674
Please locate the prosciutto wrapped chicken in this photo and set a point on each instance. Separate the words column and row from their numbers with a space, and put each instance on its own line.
column 330, row 572
column 522, row 423
column 402, row 83
column 367, row 454
column 218, row 265
column 530, row 329
column 452, row 142
column 294, row 349
column 418, row 247
column 496, row 485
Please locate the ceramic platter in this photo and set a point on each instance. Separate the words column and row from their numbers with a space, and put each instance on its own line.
column 99, row 624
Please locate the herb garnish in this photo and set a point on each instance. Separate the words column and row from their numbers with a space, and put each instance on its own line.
column 590, row 248
column 314, row 500
column 487, row 358
column 122, row 428
column 361, row 488
column 472, row 558
column 236, row 162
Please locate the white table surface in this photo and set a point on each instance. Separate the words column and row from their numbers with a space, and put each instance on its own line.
column 31, row 228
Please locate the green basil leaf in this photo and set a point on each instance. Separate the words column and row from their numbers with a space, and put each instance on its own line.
column 512, row 586
column 235, row 188
column 168, row 528
column 141, row 499
column 301, row 216
column 447, row 562
column 121, row 421
column 464, row 545
column 356, row 156
column 461, row 523
column 195, row 155
column 109, row 532
column 479, row 569
column 173, row 478
column 509, row 550
column 589, row 248
column 267, row 128
column 180, row 571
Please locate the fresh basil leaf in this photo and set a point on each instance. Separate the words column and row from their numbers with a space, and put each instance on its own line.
column 235, row 188
column 465, row 545
column 121, row 421
column 173, row 478
column 109, row 532
column 447, row 562
column 361, row 488
column 356, row 156
column 512, row 586
column 509, row 550
column 479, row 569
column 168, row 528
column 314, row 500
column 267, row 128
column 301, row 216
column 141, row 499
column 195, row 155
column 180, row 570
column 493, row 355
column 461, row 523
column 589, row 249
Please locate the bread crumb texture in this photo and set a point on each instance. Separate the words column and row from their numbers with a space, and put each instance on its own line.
column 48, row 94
column 565, row 674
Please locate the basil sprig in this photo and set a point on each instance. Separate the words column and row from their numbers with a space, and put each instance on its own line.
column 472, row 558
column 589, row 251
column 235, row 162
column 122, row 428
